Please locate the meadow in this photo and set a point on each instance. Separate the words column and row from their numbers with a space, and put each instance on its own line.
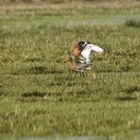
column 40, row 97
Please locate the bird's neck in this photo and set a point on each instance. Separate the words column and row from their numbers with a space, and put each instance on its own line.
column 71, row 65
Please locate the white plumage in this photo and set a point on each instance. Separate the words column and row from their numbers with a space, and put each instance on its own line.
column 86, row 53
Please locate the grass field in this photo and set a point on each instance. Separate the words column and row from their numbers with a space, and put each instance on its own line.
column 40, row 97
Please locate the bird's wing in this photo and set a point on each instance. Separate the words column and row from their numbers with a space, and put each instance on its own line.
column 97, row 49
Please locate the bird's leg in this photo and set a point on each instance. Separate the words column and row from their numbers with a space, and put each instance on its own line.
column 82, row 74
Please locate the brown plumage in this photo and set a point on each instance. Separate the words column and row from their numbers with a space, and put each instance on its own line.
column 76, row 50
column 76, row 67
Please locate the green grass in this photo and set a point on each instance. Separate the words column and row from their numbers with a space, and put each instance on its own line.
column 40, row 97
column 133, row 23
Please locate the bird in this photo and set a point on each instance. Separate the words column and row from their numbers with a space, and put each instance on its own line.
column 83, row 49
